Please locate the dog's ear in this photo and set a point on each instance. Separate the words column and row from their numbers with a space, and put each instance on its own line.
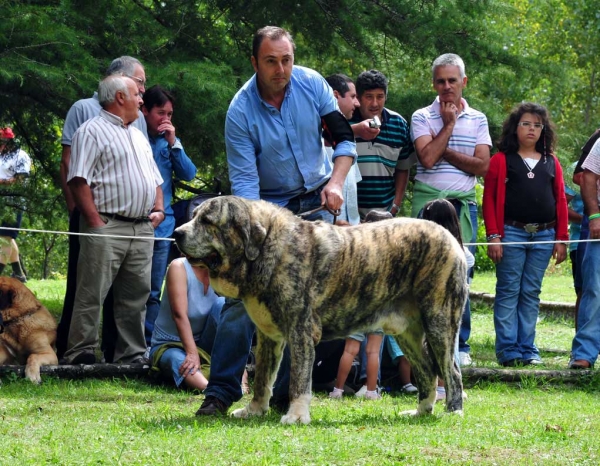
column 6, row 297
column 253, row 237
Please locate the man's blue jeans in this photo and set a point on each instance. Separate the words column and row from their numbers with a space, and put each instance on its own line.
column 586, row 343
column 519, row 278
column 234, row 333
column 160, row 259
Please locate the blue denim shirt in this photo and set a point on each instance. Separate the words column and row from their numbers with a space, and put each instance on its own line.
column 169, row 161
column 276, row 155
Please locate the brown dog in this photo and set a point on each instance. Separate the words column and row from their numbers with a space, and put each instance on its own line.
column 29, row 329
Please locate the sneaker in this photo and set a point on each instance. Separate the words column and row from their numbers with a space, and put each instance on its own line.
column 533, row 362
column 361, row 392
column 212, row 406
column 372, row 395
column 464, row 359
column 141, row 360
column 337, row 393
column 410, row 389
column 147, row 353
column 440, row 394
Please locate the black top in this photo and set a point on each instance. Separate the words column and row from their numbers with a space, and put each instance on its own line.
column 530, row 200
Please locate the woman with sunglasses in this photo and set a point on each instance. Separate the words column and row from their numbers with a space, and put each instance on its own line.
column 523, row 202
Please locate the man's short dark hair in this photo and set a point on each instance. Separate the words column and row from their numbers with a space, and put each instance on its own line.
column 369, row 80
column 157, row 96
column 339, row 82
column 271, row 33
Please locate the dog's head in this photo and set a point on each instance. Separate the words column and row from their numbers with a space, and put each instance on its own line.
column 223, row 230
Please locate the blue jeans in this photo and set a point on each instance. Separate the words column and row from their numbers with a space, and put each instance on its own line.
column 172, row 359
column 586, row 343
column 234, row 334
column 160, row 259
column 465, row 325
column 519, row 278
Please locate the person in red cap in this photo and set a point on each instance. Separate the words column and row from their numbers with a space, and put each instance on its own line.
column 15, row 165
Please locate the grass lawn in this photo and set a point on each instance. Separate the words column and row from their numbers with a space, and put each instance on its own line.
column 134, row 422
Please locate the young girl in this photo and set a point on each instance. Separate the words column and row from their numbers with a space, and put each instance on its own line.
column 374, row 339
column 523, row 202
column 443, row 213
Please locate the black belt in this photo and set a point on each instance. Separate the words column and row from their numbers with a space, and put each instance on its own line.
column 125, row 219
column 531, row 227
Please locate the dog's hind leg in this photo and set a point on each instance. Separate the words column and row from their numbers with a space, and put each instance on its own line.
column 302, row 351
column 268, row 358
column 422, row 366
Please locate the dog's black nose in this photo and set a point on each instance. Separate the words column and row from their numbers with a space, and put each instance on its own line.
column 177, row 235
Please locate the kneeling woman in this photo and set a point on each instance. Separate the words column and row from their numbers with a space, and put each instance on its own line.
column 186, row 324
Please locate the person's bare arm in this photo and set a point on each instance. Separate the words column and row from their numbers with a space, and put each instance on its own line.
column 477, row 165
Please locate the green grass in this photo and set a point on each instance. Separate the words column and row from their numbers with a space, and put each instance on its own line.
column 134, row 422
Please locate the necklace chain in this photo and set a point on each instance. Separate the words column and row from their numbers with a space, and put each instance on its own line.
column 530, row 175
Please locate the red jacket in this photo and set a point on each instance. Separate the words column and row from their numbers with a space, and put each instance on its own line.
column 494, row 193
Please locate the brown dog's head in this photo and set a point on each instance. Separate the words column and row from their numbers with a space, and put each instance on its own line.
column 223, row 230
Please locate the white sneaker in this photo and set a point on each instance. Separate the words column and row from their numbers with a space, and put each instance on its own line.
column 147, row 352
column 337, row 393
column 372, row 395
column 409, row 388
column 361, row 392
column 464, row 359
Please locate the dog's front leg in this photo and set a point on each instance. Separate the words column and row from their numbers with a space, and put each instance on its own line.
column 268, row 358
column 302, row 351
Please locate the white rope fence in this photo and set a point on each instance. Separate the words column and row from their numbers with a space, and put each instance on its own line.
column 152, row 238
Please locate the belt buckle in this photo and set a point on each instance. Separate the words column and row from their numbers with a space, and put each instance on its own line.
column 531, row 227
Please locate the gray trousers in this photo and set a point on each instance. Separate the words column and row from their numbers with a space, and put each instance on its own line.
column 125, row 264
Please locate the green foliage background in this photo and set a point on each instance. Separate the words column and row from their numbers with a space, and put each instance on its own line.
column 53, row 53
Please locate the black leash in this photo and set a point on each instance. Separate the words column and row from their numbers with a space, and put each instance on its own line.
column 334, row 212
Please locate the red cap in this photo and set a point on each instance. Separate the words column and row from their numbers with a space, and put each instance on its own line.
column 6, row 133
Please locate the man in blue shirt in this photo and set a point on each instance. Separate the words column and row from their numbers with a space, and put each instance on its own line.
column 171, row 160
column 275, row 153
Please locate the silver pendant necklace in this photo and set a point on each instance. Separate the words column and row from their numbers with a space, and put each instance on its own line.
column 530, row 175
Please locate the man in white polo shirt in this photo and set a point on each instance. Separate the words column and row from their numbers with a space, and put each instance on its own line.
column 116, row 186
column 452, row 141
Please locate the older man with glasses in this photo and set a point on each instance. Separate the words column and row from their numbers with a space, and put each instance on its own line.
column 79, row 113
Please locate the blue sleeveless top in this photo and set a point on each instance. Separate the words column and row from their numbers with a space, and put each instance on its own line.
column 199, row 307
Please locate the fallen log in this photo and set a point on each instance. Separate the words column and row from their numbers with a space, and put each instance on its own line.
column 82, row 371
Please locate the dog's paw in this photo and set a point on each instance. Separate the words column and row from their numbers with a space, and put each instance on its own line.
column 294, row 418
column 410, row 412
column 299, row 411
column 33, row 375
column 251, row 409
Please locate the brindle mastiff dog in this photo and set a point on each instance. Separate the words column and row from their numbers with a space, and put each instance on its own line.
column 29, row 329
column 305, row 281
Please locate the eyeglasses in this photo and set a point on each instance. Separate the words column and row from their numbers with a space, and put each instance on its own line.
column 140, row 81
column 528, row 124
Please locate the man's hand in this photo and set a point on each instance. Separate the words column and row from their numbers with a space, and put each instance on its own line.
column 168, row 129
column 156, row 218
column 495, row 250
column 449, row 113
column 364, row 131
column 332, row 196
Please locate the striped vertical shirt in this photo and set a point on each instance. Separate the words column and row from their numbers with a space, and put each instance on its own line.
column 116, row 162
column 471, row 129
column 592, row 163
column 379, row 158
